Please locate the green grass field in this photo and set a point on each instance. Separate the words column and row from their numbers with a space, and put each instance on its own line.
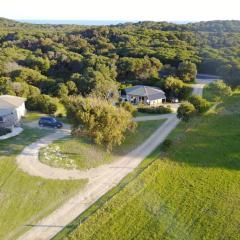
column 81, row 153
column 25, row 199
column 192, row 191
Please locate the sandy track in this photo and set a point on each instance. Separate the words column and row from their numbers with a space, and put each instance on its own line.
column 101, row 179
column 29, row 162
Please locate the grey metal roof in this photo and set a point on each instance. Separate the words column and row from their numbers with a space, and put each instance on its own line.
column 152, row 93
column 9, row 102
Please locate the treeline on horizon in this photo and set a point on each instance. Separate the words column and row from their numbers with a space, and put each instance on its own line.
column 60, row 60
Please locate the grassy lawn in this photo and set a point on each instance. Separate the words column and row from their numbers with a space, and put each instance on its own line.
column 140, row 114
column 192, row 191
column 82, row 153
column 25, row 199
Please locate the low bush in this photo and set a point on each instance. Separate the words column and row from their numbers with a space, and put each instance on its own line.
column 186, row 111
column 41, row 103
column 128, row 107
column 218, row 90
column 201, row 104
column 4, row 131
column 155, row 110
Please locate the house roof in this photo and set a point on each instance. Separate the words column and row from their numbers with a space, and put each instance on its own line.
column 10, row 102
column 152, row 93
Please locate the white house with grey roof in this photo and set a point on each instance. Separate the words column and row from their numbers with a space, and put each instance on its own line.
column 145, row 94
column 12, row 109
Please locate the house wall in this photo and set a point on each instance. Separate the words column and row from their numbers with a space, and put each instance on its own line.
column 9, row 120
column 157, row 102
column 138, row 98
column 21, row 111
column 12, row 119
column 145, row 101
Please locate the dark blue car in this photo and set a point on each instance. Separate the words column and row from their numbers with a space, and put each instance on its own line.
column 49, row 122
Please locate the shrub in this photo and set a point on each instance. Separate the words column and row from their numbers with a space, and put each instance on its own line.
column 155, row 110
column 176, row 88
column 99, row 120
column 4, row 131
column 200, row 104
column 186, row 111
column 187, row 71
column 41, row 103
column 128, row 107
column 219, row 89
column 62, row 90
column 173, row 86
column 185, row 92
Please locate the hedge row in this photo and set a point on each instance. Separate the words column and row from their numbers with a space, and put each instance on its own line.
column 155, row 110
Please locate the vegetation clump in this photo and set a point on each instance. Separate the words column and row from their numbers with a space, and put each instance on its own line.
column 129, row 107
column 187, row 71
column 42, row 103
column 200, row 104
column 218, row 90
column 155, row 110
column 185, row 111
column 99, row 120
column 175, row 88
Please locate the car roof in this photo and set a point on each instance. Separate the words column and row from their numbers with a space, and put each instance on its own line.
column 47, row 118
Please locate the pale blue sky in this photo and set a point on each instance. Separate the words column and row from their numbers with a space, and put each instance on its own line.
column 158, row 10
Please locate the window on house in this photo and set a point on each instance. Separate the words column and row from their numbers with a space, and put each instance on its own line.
column 1, row 119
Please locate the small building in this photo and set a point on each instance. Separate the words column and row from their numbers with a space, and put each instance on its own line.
column 145, row 94
column 12, row 109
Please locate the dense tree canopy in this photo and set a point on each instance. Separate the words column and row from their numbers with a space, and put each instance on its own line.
column 61, row 60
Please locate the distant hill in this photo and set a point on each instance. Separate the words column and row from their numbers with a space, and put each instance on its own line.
column 216, row 26
column 4, row 22
column 207, row 26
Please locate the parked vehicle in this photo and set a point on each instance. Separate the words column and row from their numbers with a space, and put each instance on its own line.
column 174, row 100
column 49, row 122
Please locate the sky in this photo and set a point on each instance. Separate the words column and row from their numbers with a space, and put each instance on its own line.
column 128, row 10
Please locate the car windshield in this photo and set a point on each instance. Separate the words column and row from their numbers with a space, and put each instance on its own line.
column 53, row 120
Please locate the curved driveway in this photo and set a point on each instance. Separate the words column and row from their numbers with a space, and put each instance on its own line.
column 101, row 179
